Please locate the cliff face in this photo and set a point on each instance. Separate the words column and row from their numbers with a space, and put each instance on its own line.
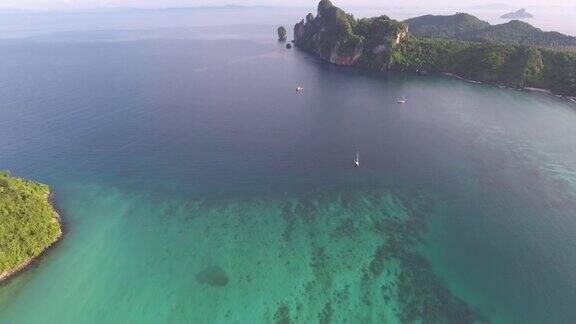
column 340, row 39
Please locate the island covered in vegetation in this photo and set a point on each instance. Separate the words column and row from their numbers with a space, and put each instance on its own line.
column 511, row 54
column 29, row 224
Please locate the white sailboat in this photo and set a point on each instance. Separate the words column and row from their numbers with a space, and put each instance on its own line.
column 357, row 160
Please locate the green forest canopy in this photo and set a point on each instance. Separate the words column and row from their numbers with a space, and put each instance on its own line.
column 28, row 222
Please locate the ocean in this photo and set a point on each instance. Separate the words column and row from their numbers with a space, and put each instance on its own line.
column 196, row 185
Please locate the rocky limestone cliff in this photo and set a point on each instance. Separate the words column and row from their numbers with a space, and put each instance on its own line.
column 337, row 37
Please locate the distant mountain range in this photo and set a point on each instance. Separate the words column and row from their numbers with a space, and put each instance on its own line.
column 463, row 26
column 105, row 10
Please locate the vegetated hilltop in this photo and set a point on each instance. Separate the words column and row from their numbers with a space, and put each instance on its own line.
column 28, row 223
column 463, row 26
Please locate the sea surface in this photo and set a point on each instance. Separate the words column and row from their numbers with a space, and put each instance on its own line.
column 197, row 186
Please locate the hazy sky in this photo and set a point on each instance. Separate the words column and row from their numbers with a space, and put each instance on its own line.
column 76, row 4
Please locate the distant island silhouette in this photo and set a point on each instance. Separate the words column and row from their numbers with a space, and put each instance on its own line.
column 518, row 14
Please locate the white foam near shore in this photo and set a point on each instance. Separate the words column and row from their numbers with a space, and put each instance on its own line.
column 537, row 89
column 545, row 91
column 461, row 78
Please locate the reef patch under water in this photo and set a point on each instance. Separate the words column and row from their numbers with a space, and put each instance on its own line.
column 213, row 276
column 328, row 256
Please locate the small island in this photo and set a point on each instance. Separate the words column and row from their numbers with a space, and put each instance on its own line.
column 282, row 34
column 29, row 223
column 514, row 54
column 518, row 14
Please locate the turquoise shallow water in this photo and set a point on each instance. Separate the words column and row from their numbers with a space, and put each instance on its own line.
column 324, row 256
column 197, row 186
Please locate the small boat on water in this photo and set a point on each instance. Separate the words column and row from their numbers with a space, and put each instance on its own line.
column 299, row 88
column 357, row 160
column 401, row 101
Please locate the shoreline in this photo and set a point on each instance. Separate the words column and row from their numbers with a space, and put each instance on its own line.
column 570, row 99
column 30, row 262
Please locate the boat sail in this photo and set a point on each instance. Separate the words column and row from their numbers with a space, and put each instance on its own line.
column 357, row 160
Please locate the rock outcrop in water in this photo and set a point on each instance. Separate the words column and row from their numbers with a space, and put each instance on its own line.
column 382, row 44
column 282, row 34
